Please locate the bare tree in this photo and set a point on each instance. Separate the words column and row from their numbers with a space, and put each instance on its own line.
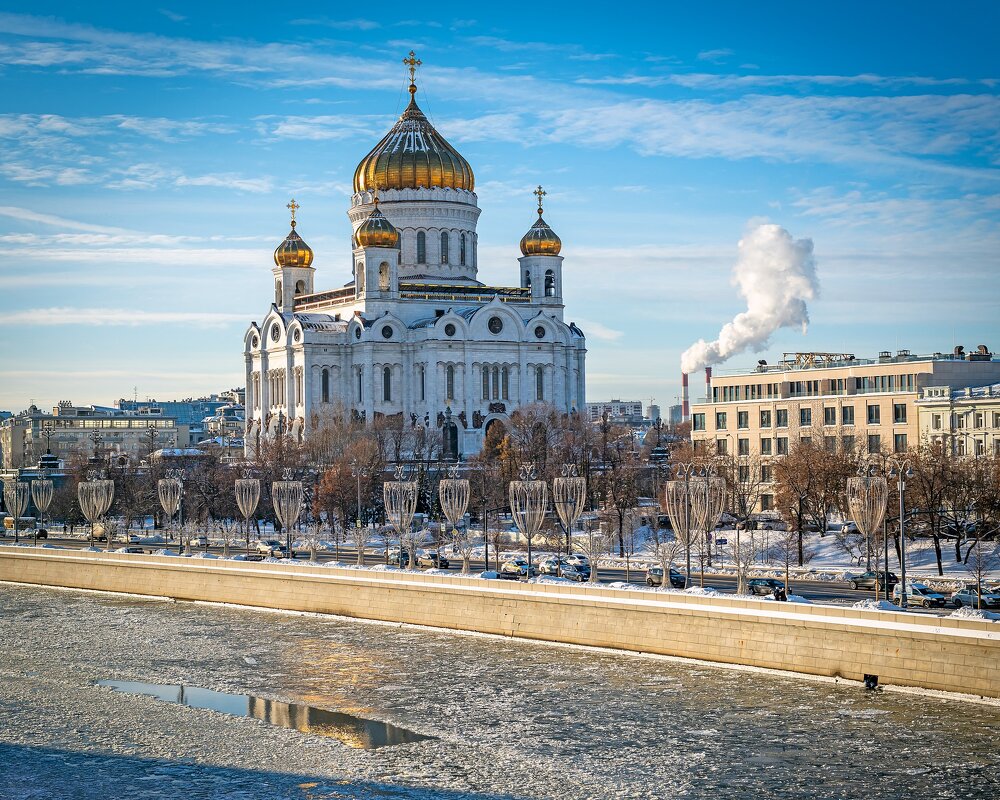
column 594, row 544
column 743, row 551
column 981, row 561
column 666, row 550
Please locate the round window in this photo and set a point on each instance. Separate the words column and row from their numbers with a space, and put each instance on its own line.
column 275, row 332
column 495, row 324
column 387, row 332
column 297, row 336
column 357, row 333
column 449, row 329
column 254, row 342
column 539, row 332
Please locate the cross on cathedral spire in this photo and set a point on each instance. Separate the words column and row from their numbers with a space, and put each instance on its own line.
column 412, row 62
column 293, row 207
column 539, row 193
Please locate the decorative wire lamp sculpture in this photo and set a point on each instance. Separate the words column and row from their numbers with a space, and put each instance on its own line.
column 867, row 498
column 400, row 499
column 569, row 495
column 15, row 497
column 708, row 499
column 677, row 499
column 286, row 496
column 247, row 498
column 41, row 495
column 95, row 498
column 453, row 492
column 528, row 502
column 169, row 491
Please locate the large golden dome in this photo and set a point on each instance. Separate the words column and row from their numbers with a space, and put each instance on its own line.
column 293, row 252
column 413, row 155
column 540, row 240
column 377, row 231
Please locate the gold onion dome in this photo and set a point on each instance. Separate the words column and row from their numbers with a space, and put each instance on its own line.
column 413, row 155
column 540, row 240
column 377, row 231
column 293, row 252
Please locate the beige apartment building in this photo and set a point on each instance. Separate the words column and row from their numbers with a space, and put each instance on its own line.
column 967, row 421
column 834, row 398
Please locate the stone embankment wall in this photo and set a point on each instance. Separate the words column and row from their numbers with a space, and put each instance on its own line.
column 954, row 655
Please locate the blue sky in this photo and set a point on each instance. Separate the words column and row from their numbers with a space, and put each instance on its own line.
column 147, row 153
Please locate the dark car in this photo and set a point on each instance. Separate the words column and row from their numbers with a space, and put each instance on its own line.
column 765, row 586
column 868, row 580
column 432, row 558
column 654, row 577
column 134, row 550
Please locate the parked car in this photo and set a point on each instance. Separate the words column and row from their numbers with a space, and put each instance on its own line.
column 575, row 573
column 868, row 580
column 550, row 566
column 565, row 568
column 41, row 533
column 654, row 577
column 133, row 550
column 199, row 541
column 578, row 560
column 764, row 586
column 969, row 596
column 850, row 526
column 272, row 548
column 917, row 594
column 398, row 558
column 519, row 567
column 431, row 558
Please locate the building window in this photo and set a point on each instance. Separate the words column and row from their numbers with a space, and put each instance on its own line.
column 449, row 382
column 743, row 473
column 899, row 413
column 720, row 420
column 766, row 502
column 765, row 446
column 805, row 417
column 324, row 386
column 874, row 415
column 847, row 443
column 743, row 447
column 461, row 249
column 782, row 417
column 505, row 383
column 444, row 247
column 698, row 422
column 830, row 444
column 421, row 247
column 782, row 445
column 765, row 419
column 936, row 421
column 496, row 383
column 977, row 419
column 360, row 386
column 721, row 447
column 874, row 443
column 742, row 420
column 766, row 473
column 847, row 415
column 386, row 384
column 806, row 440
column 550, row 283
column 899, row 443
column 830, row 415
column 486, row 382
column 539, row 384
column 383, row 277
column 527, row 279
column 423, row 383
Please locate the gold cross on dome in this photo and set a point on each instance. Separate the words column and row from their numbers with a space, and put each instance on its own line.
column 293, row 207
column 539, row 193
column 412, row 62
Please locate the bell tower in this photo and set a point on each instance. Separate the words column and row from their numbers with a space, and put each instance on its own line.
column 293, row 272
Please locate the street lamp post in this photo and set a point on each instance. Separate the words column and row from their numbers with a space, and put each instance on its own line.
column 400, row 504
column 899, row 468
column 528, row 500
column 247, row 497
column 356, row 472
column 95, row 496
column 569, row 493
column 286, row 496
column 170, row 491
column 41, row 494
column 15, row 497
column 677, row 499
column 453, row 492
column 708, row 498
column 867, row 496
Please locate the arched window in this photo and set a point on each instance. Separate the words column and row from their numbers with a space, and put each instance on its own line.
column 387, row 384
column 550, row 283
column 449, row 382
column 383, row 277
column 527, row 279
column 486, row 382
column 461, row 250
column 325, row 385
column 300, row 287
column 539, row 384
column 423, row 384
column 505, row 383
column 444, row 247
column 360, row 386
column 277, row 293
column 496, row 383
column 359, row 277
column 421, row 247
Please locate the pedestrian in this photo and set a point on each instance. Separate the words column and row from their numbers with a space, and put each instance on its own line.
column 779, row 593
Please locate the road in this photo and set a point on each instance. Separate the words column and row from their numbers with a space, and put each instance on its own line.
column 821, row 591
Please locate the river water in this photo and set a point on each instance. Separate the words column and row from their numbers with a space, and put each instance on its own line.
column 504, row 718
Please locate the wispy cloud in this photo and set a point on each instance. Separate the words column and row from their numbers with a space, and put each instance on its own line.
column 51, row 220
column 717, row 56
column 340, row 24
column 598, row 330
column 227, row 180
column 57, row 316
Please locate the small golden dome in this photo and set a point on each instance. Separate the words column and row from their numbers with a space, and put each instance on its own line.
column 377, row 231
column 293, row 252
column 540, row 240
column 413, row 155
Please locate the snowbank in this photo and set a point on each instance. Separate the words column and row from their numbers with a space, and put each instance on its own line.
column 873, row 605
column 792, row 598
column 968, row 612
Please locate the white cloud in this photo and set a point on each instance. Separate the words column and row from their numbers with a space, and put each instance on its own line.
column 27, row 215
column 717, row 56
column 598, row 330
column 45, row 317
column 227, row 180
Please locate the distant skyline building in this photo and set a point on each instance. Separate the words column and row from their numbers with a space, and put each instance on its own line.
column 413, row 334
column 965, row 420
column 630, row 410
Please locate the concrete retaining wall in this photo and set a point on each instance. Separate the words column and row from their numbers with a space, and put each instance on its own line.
column 955, row 655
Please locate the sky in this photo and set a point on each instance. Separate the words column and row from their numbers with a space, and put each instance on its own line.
column 147, row 153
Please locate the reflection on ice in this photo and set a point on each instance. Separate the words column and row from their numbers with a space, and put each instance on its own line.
column 361, row 734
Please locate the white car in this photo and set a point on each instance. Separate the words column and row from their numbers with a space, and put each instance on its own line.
column 198, row 541
column 272, row 548
column 578, row 560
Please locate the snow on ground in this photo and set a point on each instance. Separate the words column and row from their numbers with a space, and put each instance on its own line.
column 967, row 612
column 876, row 605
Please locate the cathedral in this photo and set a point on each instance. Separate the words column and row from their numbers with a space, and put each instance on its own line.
column 414, row 334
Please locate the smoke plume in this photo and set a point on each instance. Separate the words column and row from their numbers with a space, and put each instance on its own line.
column 776, row 275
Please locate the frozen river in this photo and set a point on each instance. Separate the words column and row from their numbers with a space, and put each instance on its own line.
column 508, row 719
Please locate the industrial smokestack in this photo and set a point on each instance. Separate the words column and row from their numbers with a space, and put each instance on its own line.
column 685, row 400
column 708, row 384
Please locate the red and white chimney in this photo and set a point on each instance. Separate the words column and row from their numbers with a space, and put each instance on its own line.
column 708, row 384
column 685, row 399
